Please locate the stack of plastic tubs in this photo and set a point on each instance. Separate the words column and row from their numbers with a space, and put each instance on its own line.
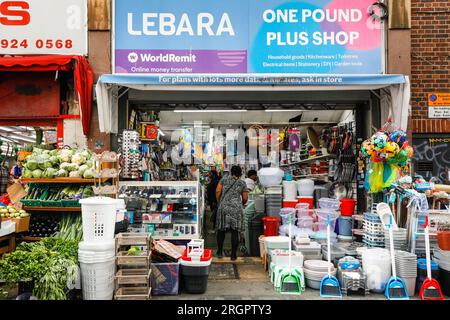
column 373, row 235
column 376, row 263
column 96, row 253
column 274, row 200
column 195, row 267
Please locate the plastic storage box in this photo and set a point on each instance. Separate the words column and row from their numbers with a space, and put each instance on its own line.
column 165, row 278
column 195, row 273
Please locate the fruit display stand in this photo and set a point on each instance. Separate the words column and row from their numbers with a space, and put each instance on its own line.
column 134, row 272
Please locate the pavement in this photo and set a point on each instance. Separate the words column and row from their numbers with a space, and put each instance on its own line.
column 253, row 283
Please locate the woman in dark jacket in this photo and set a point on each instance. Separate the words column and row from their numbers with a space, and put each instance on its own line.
column 232, row 195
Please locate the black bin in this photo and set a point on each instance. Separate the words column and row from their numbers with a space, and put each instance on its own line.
column 195, row 278
column 444, row 281
column 256, row 229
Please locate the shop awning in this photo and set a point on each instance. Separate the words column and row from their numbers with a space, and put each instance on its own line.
column 108, row 85
column 83, row 76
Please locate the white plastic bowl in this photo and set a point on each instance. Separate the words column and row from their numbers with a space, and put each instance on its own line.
column 270, row 176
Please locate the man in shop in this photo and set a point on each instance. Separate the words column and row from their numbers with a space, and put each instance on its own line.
column 251, row 180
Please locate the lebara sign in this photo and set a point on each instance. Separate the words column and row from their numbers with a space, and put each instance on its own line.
column 43, row 27
column 246, row 36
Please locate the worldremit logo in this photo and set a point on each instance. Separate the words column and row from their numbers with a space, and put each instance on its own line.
column 133, row 57
column 14, row 13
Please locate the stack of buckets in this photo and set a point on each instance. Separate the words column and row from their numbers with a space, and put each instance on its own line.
column 96, row 253
column 345, row 221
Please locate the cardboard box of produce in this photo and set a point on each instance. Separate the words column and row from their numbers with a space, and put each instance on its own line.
column 20, row 217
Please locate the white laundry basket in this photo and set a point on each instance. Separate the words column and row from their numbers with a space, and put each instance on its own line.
column 99, row 218
column 97, row 279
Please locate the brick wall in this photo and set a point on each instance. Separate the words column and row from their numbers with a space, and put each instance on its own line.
column 430, row 58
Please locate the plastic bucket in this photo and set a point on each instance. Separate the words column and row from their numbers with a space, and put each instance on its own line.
column 345, row 226
column 289, row 204
column 262, row 248
column 348, row 207
column 308, row 200
column 99, row 218
column 444, row 240
column 271, row 226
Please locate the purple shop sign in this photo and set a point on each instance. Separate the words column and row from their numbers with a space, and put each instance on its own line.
column 180, row 61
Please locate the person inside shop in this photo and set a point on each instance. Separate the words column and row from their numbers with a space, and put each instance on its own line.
column 211, row 199
column 251, row 180
column 232, row 195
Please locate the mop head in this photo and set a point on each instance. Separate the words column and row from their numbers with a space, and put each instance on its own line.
column 431, row 290
column 396, row 289
column 329, row 287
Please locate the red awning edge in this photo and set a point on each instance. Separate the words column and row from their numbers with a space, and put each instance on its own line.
column 82, row 72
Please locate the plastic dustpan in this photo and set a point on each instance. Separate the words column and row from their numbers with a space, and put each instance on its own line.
column 396, row 289
column 430, row 290
column 290, row 284
column 329, row 286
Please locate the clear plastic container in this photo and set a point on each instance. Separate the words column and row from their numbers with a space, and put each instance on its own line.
column 305, row 222
column 322, row 215
column 329, row 203
column 285, row 213
column 302, row 210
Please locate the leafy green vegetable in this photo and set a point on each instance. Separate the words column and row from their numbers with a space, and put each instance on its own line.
column 37, row 173
column 51, row 263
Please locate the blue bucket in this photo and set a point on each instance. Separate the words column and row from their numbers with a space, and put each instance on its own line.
column 345, row 226
column 422, row 272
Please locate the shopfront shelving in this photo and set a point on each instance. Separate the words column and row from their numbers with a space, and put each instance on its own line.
column 309, row 160
column 52, row 209
column 185, row 198
column 61, row 180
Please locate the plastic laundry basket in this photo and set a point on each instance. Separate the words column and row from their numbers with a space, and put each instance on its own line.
column 97, row 279
column 99, row 218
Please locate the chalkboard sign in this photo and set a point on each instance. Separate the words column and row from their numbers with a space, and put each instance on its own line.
column 432, row 157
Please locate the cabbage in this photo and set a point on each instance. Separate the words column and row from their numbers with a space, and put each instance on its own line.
column 90, row 163
column 61, row 173
column 73, row 167
column 88, row 174
column 78, row 159
column 66, row 155
column 54, row 153
column 74, row 174
column 37, row 173
column 50, row 172
column 65, row 166
column 87, row 154
column 82, row 169
column 37, row 150
column 32, row 164
column 45, row 156
column 46, row 152
column 54, row 160
column 27, row 173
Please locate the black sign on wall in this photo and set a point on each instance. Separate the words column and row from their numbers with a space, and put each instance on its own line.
column 432, row 156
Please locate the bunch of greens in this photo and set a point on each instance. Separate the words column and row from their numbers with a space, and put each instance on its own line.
column 52, row 263
column 71, row 228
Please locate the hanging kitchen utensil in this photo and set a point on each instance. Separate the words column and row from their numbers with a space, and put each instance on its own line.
column 294, row 142
column 312, row 137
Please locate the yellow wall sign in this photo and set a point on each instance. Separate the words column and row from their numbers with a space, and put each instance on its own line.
column 439, row 100
column 439, row 105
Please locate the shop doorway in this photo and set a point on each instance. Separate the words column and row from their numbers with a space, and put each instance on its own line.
column 160, row 124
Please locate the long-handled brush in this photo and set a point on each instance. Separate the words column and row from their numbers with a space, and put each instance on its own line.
column 430, row 290
column 395, row 288
column 290, row 282
column 329, row 286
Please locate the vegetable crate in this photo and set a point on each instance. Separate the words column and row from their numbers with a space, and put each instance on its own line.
column 133, row 278
column 22, row 224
